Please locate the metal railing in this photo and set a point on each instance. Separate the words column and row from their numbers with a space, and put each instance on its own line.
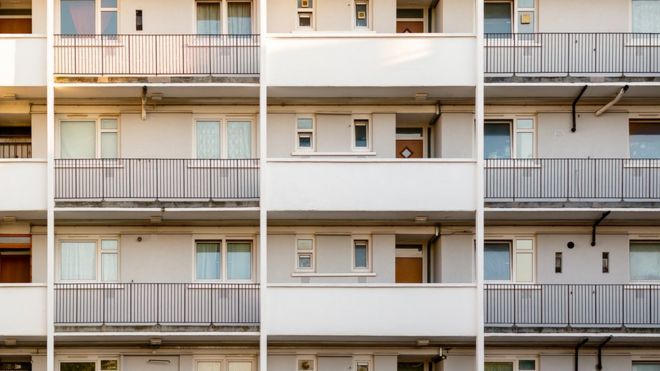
column 172, row 55
column 157, row 179
column 572, row 179
column 15, row 150
column 572, row 53
column 577, row 305
column 157, row 303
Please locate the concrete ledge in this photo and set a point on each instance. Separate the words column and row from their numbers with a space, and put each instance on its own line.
column 158, row 79
column 572, row 204
column 124, row 328
column 569, row 79
column 567, row 330
column 157, row 204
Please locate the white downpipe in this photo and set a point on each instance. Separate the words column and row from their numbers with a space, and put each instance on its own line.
column 479, row 184
column 263, row 200
column 613, row 102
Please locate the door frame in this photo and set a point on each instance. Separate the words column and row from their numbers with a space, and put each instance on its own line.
column 425, row 136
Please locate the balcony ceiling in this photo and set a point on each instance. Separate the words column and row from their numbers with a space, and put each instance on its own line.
column 408, row 217
column 570, row 339
column 564, row 216
column 88, row 91
column 604, row 91
column 433, row 93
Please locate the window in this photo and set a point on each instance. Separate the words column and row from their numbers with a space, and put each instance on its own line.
column 362, row 364
column 505, row 17
column 80, row 260
column 361, row 14
column 361, row 134
column 645, row 261
column 305, row 254
column 606, row 262
column 644, row 138
column 645, row 15
column 526, row 16
column 361, row 255
column 89, row 139
column 305, row 14
column 239, row 366
column 514, row 365
column 305, row 133
column 223, row 260
column 503, row 264
column 102, row 365
column 219, row 365
column 306, row 364
column 218, row 138
column 498, row 141
column 78, row 17
column 646, row 366
column 211, row 22
column 558, row 262
column 497, row 17
column 209, row 366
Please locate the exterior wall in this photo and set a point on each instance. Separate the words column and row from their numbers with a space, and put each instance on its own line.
column 39, row 363
column 569, row 16
column 39, row 263
column 561, row 359
column 39, row 17
column 457, row 259
column 459, row 362
column 23, row 61
column 39, row 144
column 457, row 135
column 27, row 191
column 458, row 16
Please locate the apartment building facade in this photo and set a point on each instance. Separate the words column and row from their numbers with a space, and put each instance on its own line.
column 328, row 185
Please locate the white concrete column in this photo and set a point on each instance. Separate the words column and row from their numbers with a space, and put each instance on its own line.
column 263, row 189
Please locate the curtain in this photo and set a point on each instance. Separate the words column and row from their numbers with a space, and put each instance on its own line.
column 77, row 17
column 497, row 18
column 239, row 139
column 208, row 260
column 109, row 22
column 109, row 271
column 240, row 18
column 644, row 140
column 498, row 366
column 77, row 139
column 497, row 140
column 239, row 260
column 646, row 15
column 208, row 139
column 645, row 261
column 208, row 18
column 497, row 262
column 78, row 261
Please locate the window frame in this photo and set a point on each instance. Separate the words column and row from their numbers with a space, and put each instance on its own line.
column 642, row 361
column 93, row 359
column 311, row 132
column 515, row 14
column 224, row 15
column 369, row 125
column 354, row 4
column 97, row 134
column 639, row 241
column 223, row 360
column 97, row 240
column 514, row 253
column 312, row 15
column 224, row 241
column 512, row 121
column 98, row 9
column 363, row 359
column 297, row 253
column 223, row 121
column 355, row 240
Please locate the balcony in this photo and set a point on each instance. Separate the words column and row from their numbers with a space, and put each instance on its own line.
column 371, row 60
column 28, row 318
column 16, row 150
column 24, row 185
column 372, row 185
column 576, row 182
column 561, row 307
column 23, row 60
column 170, row 306
column 140, row 58
column 543, row 56
column 372, row 310
column 133, row 182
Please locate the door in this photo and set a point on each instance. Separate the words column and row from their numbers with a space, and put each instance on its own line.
column 409, row 148
column 15, row 25
column 408, row 270
column 409, row 26
column 15, row 268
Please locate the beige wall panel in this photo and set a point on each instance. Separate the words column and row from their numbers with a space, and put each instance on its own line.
column 384, row 135
column 158, row 258
column 457, row 135
column 384, row 15
column 383, row 256
column 281, row 134
column 333, row 133
column 160, row 136
column 457, row 16
column 281, row 16
column 39, row 263
column 281, row 258
column 39, row 17
column 457, row 261
column 39, row 140
column 333, row 15
column 579, row 16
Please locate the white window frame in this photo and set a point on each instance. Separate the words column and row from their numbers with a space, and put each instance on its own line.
column 312, row 14
column 312, row 253
column 311, row 358
column 89, row 359
column 97, row 137
column 354, row 4
column 223, row 120
column 512, row 120
column 515, row 13
column 311, row 132
column 224, row 14
column 362, row 360
column 97, row 240
column 366, row 118
column 224, row 240
column 515, row 361
column 640, row 122
column 354, row 240
column 514, row 251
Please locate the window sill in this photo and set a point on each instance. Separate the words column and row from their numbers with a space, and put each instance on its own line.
column 320, row 154
column 351, row 274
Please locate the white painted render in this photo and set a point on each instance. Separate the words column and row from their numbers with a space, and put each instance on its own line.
column 26, row 191
column 23, row 61
column 26, row 316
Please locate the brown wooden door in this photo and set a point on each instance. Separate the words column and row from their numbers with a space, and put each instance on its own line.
column 15, row 269
column 409, row 26
column 408, row 270
column 409, row 148
column 15, row 25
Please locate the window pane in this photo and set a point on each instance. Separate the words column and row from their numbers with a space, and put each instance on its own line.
column 239, row 139
column 310, row 3
column 305, row 19
column 208, row 18
column 527, row 364
column 108, row 124
column 305, row 123
column 646, row 366
column 78, row 261
column 410, row 13
column 109, row 268
column 78, row 366
column 109, row 145
column 525, row 124
column 361, row 15
column 361, row 255
column 497, row 18
column 109, row 245
column 525, row 4
column 410, row 366
column 305, row 140
column 209, row 366
column 644, row 140
column 108, row 365
column 77, row 17
column 108, row 4
column 645, row 15
column 208, row 139
column 208, row 260
column 239, row 366
column 77, row 139
column 362, row 366
column 239, row 260
column 497, row 261
column 524, row 267
column 305, row 245
column 240, row 18
column 645, row 261
column 109, row 23
column 524, row 145
column 361, row 133
column 498, row 366
column 304, row 261
column 497, row 140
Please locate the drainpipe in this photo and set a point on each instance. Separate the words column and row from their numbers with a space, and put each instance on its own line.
column 434, row 119
column 599, row 365
column 575, row 102
column 596, row 223
column 614, row 101
column 429, row 246
column 577, row 352
column 143, row 100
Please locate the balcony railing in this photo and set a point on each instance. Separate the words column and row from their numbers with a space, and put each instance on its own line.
column 15, row 150
column 157, row 303
column 572, row 179
column 572, row 305
column 157, row 179
column 144, row 55
column 572, row 53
